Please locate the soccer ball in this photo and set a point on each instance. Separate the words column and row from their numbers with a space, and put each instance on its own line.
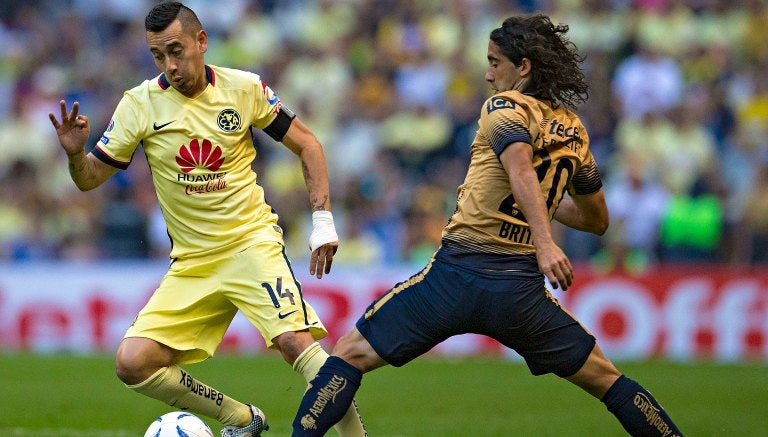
column 178, row 424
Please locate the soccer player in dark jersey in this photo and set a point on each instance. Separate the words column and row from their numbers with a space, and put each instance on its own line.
column 194, row 122
column 488, row 276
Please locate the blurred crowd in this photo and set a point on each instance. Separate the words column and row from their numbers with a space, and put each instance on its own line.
column 677, row 116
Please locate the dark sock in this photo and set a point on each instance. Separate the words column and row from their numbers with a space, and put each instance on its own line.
column 327, row 400
column 637, row 410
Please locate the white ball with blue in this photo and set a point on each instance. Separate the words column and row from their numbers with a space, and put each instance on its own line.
column 178, row 424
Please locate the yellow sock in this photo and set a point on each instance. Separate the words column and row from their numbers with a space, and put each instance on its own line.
column 308, row 364
column 178, row 389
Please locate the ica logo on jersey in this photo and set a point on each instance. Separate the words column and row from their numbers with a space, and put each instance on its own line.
column 206, row 158
column 495, row 103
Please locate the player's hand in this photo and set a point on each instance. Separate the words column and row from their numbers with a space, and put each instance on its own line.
column 555, row 266
column 323, row 243
column 322, row 258
column 73, row 130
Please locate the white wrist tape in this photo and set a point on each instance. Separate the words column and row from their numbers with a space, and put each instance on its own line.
column 323, row 230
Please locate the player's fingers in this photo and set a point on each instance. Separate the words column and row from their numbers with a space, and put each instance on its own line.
column 549, row 274
column 320, row 263
column 553, row 281
column 329, row 260
column 556, row 276
column 55, row 122
column 312, row 262
column 565, row 278
column 569, row 270
column 75, row 110
column 63, row 107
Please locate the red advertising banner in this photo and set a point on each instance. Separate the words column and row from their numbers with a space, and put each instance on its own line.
column 677, row 312
column 673, row 312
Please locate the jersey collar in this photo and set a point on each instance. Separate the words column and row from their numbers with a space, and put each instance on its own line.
column 209, row 75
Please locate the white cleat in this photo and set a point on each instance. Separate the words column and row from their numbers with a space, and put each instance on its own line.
column 253, row 429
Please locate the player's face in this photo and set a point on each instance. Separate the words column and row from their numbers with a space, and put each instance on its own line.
column 502, row 74
column 179, row 55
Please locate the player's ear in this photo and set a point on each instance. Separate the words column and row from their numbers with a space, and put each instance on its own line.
column 526, row 66
column 202, row 41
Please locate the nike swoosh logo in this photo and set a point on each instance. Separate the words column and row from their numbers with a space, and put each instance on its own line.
column 282, row 316
column 155, row 126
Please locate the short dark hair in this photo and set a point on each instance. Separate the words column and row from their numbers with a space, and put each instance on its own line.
column 556, row 74
column 163, row 14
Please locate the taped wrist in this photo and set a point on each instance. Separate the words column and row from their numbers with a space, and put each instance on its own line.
column 323, row 230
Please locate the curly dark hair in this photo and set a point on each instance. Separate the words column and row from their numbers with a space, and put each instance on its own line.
column 556, row 74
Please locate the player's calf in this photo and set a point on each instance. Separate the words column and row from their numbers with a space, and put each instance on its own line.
column 328, row 398
column 638, row 411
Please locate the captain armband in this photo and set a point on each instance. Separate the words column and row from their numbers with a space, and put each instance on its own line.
column 280, row 124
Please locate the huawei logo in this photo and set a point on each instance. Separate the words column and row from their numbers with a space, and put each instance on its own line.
column 196, row 156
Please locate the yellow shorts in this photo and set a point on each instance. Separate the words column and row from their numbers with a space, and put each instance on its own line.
column 196, row 301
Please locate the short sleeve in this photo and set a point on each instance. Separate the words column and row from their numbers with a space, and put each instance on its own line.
column 504, row 122
column 587, row 178
column 267, row 104
column 122, row 136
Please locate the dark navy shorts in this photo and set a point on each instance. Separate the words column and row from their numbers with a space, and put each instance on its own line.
column 445, row 299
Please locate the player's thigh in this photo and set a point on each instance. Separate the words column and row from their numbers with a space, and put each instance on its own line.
column 521, row 314
column 136, row 352
column 186, row 312
column 262, row 285
column 417, row 314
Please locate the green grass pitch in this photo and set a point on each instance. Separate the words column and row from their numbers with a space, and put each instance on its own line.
column 60, row 396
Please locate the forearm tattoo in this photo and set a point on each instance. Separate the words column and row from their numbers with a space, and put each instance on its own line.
column 77, row 168
column 317, row 204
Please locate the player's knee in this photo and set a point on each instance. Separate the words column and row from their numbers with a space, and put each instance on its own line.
column 355, row 349
column 292, row 344
column 134, row 365
column 129, row 367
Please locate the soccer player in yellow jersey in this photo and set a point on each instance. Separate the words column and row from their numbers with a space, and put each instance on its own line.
column 488, row 276
column 194, row 124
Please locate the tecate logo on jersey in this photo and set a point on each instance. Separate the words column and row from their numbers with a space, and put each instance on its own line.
column 205, row 157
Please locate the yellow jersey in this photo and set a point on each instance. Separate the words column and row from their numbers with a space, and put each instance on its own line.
column 200, row 153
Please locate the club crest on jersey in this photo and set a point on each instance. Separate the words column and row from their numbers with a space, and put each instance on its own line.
column 499, row 103
column 228, row 120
